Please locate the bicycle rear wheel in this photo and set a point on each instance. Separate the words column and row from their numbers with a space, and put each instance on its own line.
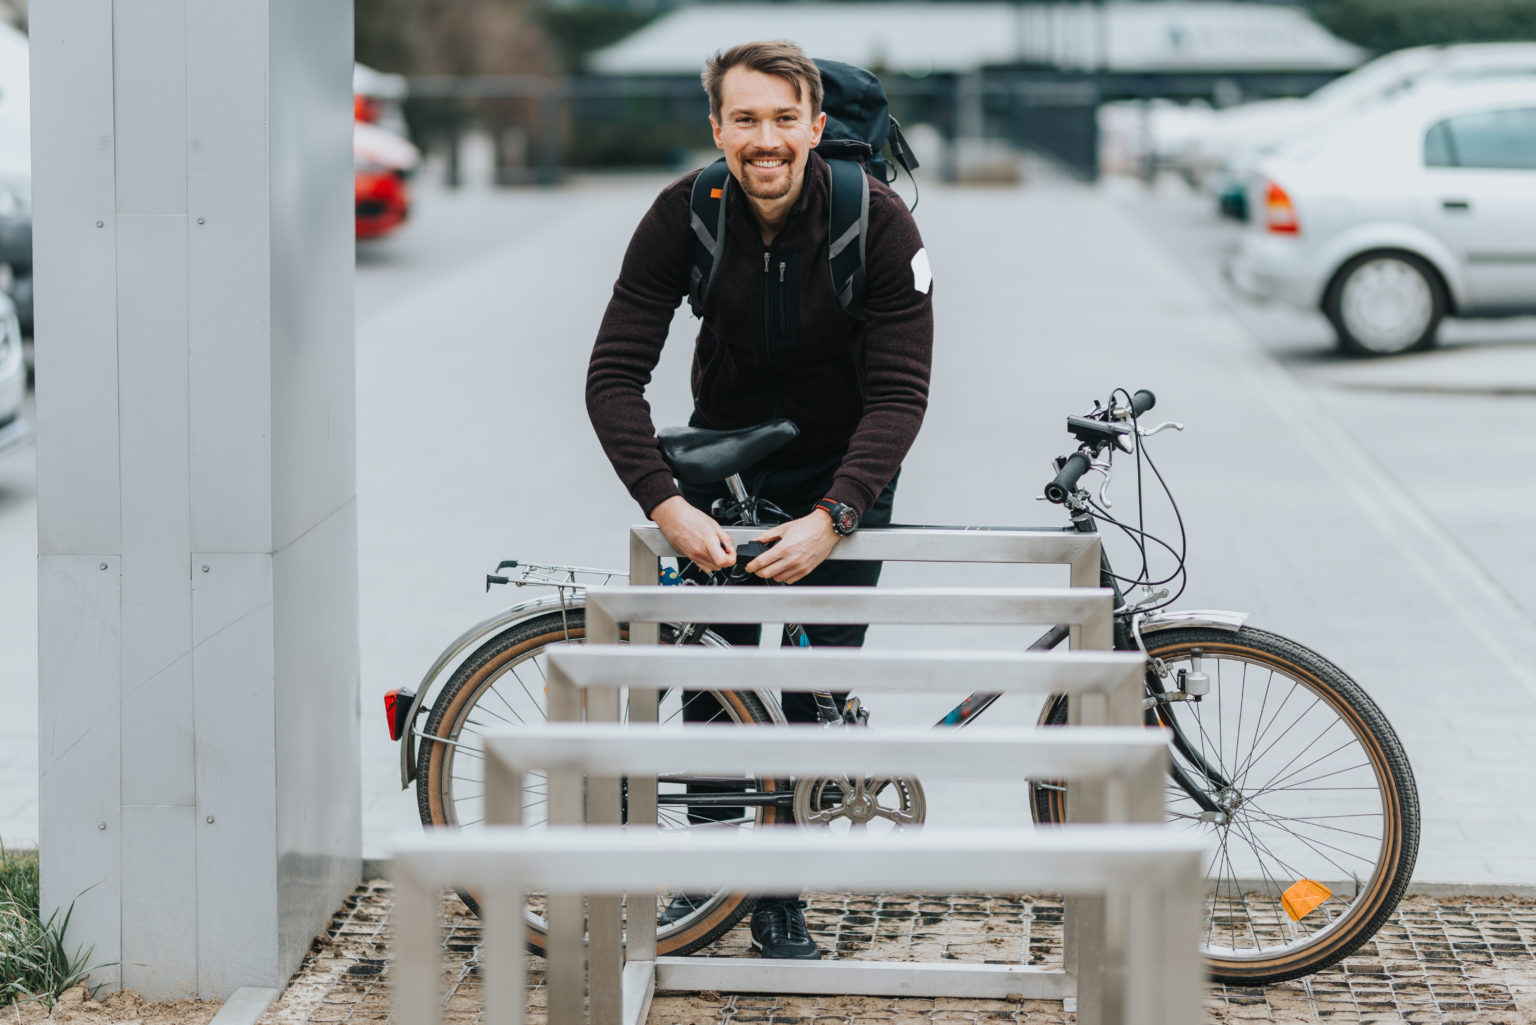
column 502, row 685
column 1305, row 796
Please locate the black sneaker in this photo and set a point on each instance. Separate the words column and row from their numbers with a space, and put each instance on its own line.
column 778, row 930
column 681, row 906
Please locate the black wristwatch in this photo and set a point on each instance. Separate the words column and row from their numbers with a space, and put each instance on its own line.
column 845, row 519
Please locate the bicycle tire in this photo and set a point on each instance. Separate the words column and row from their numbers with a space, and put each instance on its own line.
column 1346, row 923
column 465, row 694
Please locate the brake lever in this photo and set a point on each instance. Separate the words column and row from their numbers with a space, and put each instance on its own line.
column 1147, row 432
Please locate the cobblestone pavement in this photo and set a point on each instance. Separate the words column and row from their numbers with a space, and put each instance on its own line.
column 1466, row 960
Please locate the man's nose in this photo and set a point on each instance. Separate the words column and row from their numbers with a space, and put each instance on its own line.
column 766, row 134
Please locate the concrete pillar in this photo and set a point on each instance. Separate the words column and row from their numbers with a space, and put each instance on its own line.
column 196, row 487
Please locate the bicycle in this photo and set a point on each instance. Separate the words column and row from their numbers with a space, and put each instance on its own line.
column 1310, row 804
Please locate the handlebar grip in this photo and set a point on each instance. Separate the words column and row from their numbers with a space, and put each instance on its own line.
column 1142, row 401
column 1075, row 466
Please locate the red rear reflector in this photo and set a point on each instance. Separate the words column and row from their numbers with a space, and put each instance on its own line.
column 394, row 708
column 1279, row 212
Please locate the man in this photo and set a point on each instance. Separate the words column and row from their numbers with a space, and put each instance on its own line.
column 773, row 342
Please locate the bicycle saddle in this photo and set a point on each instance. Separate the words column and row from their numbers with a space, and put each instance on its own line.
column 698, row 455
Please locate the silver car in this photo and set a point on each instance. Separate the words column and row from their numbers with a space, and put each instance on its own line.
column 1421, row 209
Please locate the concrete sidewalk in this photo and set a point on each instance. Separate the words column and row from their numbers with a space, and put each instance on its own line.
column 474, row 446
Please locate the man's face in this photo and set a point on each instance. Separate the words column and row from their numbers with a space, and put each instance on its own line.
column 767, row 133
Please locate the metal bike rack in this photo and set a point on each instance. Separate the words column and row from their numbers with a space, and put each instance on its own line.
column 1154, row 872
column 1104, row 688
column 1087, row 610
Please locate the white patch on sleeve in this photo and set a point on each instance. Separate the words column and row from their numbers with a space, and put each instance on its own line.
column 922, row 274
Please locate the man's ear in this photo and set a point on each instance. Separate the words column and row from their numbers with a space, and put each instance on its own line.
column 714, row 126
column 821, row 124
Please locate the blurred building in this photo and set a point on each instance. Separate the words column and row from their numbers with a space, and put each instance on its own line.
column 1030, row 74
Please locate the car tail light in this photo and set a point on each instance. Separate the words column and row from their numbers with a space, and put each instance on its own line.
column 397, row 709
column 1279, row 213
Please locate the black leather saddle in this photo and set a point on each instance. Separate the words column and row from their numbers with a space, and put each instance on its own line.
column 698, row 455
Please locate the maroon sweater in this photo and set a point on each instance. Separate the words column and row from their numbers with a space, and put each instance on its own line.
column 773, row 342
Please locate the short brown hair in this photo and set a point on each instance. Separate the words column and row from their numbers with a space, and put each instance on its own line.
column 772, row 57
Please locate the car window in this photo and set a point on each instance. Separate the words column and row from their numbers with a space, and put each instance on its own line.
column 1498, row 139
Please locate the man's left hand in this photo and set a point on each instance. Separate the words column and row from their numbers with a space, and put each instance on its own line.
column 802, row 546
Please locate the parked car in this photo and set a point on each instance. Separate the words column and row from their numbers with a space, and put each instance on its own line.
column 16, row 245
column 14, row 428
column 1226, row 155
column 382, row 162
column 16, row 169
column 1423, row 209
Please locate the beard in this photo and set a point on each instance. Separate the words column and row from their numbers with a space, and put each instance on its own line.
column 777, row 188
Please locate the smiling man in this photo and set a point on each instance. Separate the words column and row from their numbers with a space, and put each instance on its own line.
column 773, row 342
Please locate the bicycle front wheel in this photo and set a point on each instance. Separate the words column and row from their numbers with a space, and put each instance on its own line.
column 502, row 684
column 1301, row 790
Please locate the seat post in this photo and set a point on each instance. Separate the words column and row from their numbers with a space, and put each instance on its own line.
column 734, row 485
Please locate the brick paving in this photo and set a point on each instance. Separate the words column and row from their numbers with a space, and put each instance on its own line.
column 1455, row 960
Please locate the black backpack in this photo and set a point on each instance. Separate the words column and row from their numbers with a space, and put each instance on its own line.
column 859, row 126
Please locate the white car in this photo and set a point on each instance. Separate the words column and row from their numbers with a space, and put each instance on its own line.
column 1422, row 209
column 14, row 428
column 1227, row 152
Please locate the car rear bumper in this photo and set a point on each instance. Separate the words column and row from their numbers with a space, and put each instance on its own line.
column 15, row 432
column 1274, row 269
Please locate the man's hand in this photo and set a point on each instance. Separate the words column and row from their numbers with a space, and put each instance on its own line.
column 802, row 545
column 695, row 534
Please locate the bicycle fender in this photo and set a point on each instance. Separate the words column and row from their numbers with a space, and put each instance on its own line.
column 465, row 640
column 1216, row 619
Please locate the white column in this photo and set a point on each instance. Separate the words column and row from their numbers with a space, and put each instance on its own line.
column 196, row 486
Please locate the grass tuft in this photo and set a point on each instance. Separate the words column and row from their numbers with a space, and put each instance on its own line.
column 34, row 962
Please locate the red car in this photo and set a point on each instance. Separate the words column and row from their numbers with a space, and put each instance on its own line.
column 382, row 161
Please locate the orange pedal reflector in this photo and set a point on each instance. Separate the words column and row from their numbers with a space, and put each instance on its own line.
column 1303, row 898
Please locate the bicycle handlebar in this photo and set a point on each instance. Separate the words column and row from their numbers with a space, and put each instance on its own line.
column 1096, row 432
column 1057, row 490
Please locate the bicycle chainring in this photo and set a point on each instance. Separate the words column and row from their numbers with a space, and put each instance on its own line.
column 897, row 801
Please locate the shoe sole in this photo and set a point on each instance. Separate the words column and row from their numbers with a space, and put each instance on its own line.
column 759, row 948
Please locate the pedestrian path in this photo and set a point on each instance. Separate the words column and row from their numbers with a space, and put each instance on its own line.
column 1437, row 960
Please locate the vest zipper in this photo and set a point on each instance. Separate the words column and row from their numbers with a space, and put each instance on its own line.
column 768, row 321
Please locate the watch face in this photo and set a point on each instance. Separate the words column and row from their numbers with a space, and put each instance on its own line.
column 844, row 519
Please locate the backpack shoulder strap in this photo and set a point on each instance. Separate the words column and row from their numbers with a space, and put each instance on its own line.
column 848, row 215
column 707, row 220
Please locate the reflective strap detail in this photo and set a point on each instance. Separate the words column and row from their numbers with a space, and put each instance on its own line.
column 854, row 231
column 702, row 233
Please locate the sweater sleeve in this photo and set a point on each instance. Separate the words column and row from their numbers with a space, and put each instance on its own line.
column 651, row 283
column 898, row 353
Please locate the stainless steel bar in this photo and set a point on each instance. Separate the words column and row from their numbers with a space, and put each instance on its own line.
column 566, row 860
column 506, row 988
column 644, row 705
column 939, row 544
column 699, row 666
column 605, row 915
column 1119, row 752
column 564, row 914
column 418, row 947
column 867, row 978
column 967, row 605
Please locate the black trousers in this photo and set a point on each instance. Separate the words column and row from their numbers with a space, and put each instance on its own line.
column 796, row 491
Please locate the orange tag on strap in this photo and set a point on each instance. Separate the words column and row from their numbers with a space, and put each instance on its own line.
column 714, row 193
column 1303, row 898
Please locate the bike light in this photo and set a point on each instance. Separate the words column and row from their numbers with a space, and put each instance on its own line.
column 397, row 707
column 1280, row 212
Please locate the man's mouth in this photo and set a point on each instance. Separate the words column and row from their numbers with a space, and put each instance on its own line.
column 767, row 163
